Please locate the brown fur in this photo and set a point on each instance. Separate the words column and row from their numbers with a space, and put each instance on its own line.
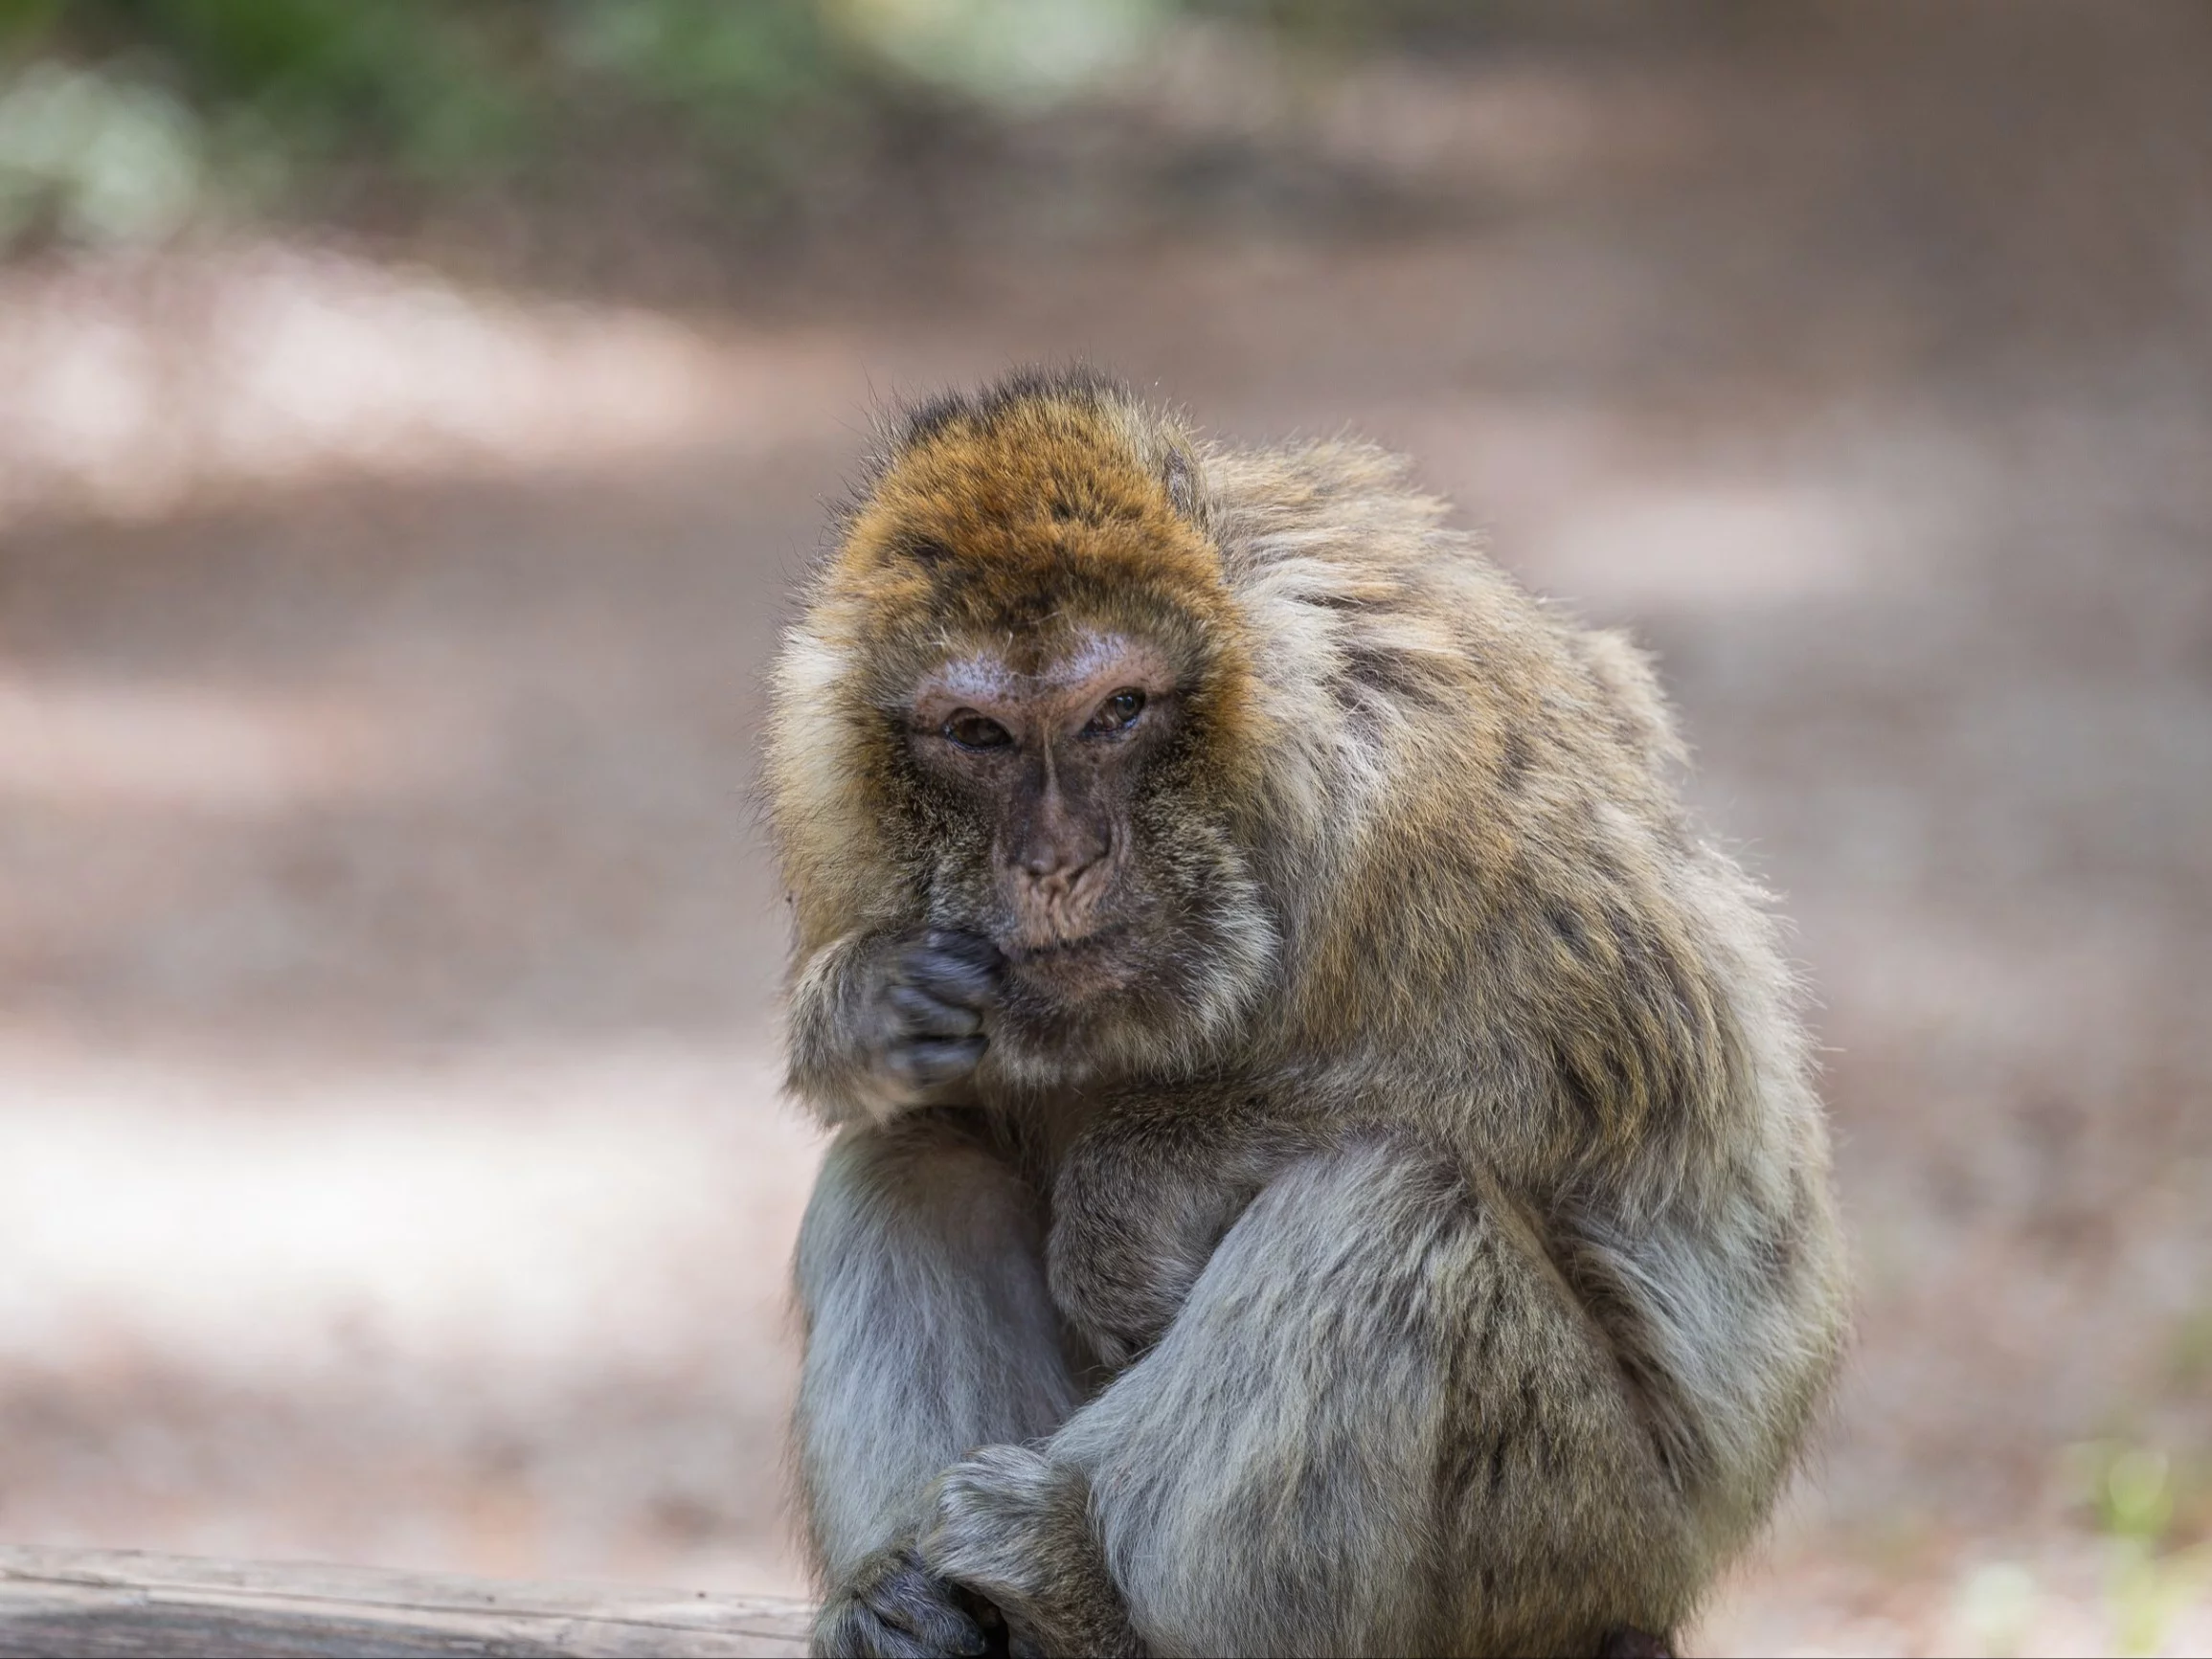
column 1438, row 1230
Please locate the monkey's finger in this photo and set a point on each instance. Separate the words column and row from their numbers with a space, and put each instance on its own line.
column 924, row 1016
column 920, row 1606
column 857, row 1631
column 958, row 971
column 927, row 1062
column 971, row 947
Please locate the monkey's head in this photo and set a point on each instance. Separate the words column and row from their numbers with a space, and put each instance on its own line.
column 1020, row 706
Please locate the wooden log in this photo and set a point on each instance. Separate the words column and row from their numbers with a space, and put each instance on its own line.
column 74, row 1604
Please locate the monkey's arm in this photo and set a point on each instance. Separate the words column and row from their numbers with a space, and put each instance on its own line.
column 883, row 1022
column 929, row 1330
column 1377, row 1424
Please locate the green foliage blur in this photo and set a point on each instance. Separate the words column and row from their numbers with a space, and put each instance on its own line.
column 125, row 120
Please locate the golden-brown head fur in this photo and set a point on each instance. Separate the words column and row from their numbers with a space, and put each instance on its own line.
column 1047, row 512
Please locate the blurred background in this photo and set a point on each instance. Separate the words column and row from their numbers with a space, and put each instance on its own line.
column 413, row 415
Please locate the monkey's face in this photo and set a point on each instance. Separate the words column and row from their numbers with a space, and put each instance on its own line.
column 1044, row 767
column 1064, row 827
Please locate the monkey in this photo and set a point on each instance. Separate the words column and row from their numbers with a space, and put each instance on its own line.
column 1325, row 1157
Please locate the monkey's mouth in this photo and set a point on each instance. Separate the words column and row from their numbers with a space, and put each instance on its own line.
column 1062, row 951
column 1072, row 972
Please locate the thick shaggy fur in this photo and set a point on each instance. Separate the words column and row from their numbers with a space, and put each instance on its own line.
column 1433, row 1252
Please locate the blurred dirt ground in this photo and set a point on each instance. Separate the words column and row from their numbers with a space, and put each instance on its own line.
column 391, row 1169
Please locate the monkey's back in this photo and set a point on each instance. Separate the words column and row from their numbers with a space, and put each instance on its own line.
column 1502, row 915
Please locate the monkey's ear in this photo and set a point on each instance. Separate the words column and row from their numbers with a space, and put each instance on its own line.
column 1181, row 478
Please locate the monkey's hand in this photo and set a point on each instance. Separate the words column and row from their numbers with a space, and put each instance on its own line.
column 893, row 1607
column 882, row 1023
column 928, row 1009
column 1015, row 1531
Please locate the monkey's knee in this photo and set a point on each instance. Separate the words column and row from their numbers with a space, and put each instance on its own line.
column 1380, row 1424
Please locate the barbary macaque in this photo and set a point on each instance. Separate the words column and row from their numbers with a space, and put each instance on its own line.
column 1325, row 1158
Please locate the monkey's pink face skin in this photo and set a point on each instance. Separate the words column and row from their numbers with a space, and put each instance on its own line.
column 1047, row 762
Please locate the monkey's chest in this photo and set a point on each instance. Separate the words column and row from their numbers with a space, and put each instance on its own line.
column 1121, row 1262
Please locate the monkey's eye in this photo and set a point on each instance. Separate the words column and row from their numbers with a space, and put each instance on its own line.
column 1118, row 713
column 972, row 731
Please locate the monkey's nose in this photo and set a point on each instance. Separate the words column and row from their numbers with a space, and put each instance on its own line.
column 1058, row 837
column 1045, row 859
column 1058, row 865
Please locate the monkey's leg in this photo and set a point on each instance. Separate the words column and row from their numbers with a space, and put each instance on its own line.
column 1379, row 1425
column 929, row 1330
